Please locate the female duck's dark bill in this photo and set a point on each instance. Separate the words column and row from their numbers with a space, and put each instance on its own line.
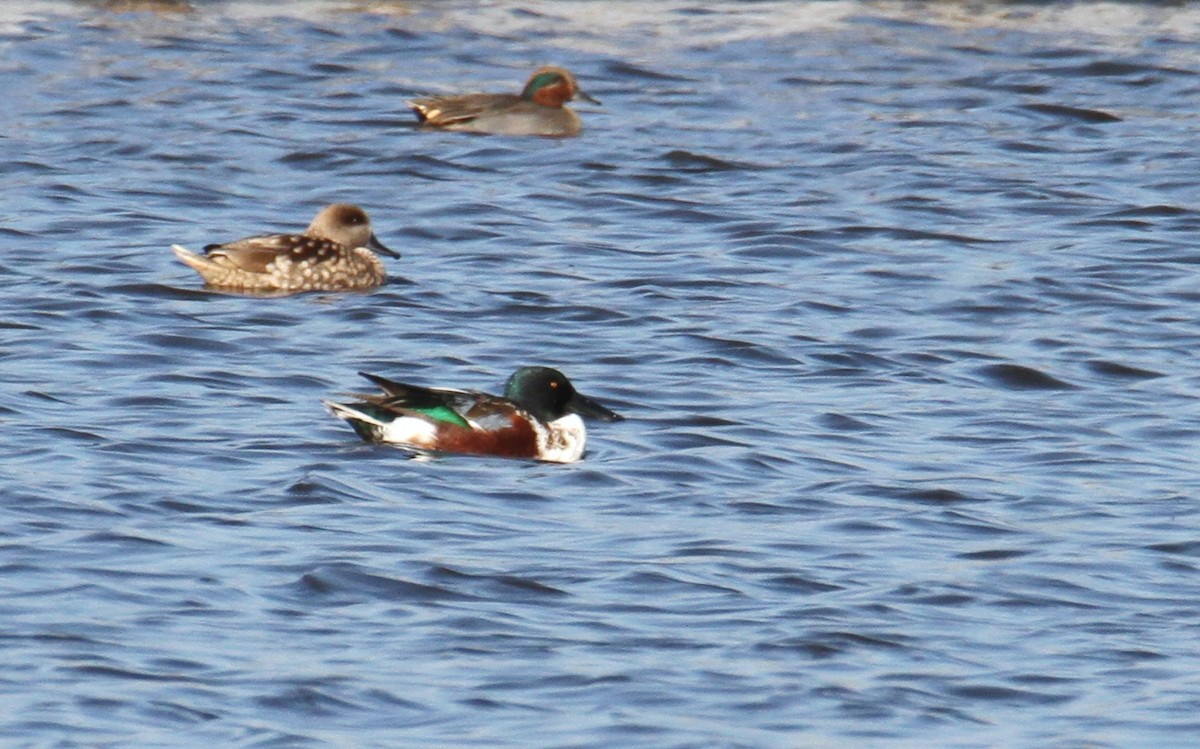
column 374, row 244
column 585, row 406
column 586, row 97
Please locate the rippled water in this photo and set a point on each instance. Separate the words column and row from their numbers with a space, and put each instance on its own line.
column 900, row 301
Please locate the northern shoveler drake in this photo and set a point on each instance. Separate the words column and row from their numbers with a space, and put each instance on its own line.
column 538, row 417
column 335, row 253
column 537, row 110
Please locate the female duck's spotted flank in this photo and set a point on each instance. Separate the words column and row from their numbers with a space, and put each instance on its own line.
column 538, row 417
column 538, row 110
column 335, row 253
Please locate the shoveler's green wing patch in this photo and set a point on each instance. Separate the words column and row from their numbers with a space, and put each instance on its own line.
column 437, row 405
column 443, row 414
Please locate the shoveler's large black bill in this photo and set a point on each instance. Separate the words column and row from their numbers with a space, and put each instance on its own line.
column 586, row 97
column 585, row 406
column 374, row 244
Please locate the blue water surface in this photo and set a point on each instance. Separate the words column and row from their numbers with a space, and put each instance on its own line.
column 899, row 301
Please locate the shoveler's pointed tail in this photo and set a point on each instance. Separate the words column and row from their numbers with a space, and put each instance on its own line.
column 366, row 424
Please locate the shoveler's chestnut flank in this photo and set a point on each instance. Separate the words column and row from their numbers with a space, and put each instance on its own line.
column 538, row 110
column 335, row 253
column 538, row 417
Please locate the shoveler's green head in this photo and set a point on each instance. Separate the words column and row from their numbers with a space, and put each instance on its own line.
column 552, row 87
column 548, row 395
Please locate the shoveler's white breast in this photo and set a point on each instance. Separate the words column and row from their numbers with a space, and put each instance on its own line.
column 562, row 440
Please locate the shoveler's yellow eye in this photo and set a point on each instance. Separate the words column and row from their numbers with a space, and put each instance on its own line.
column 554, row 383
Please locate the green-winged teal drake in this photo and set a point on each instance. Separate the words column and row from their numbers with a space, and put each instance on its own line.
column 538, row 417
column 335, row 253
column 537, row 110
